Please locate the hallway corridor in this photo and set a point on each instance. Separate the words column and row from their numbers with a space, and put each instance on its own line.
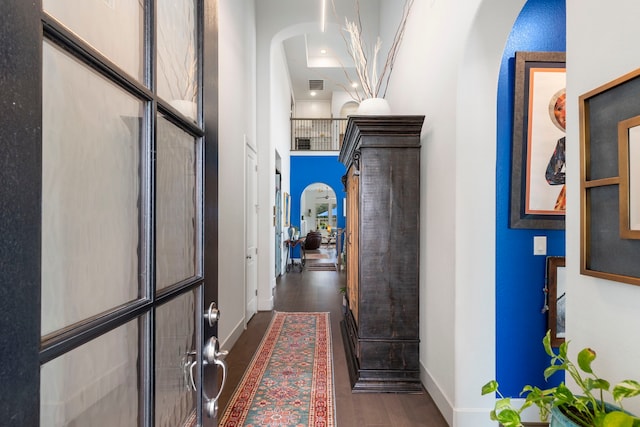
column 319, row 291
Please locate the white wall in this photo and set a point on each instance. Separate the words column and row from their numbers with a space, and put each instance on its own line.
column 279, row 143
column 313, row 109
column 601, row 314
column 237, row 111
column 338, row 101
column 454, row 83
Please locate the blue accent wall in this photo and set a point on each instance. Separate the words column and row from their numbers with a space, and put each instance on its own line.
column 306, row 170
column 520, row 323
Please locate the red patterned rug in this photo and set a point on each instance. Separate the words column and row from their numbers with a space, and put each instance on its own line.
column 289, row 382
column 320, row 266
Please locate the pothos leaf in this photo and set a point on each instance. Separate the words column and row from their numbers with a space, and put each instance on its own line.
column 617, row 419
column 596, row 384
column 546, row 343
column 490, row 387
column 627, row 388
column 509, row 418
column 585, row 357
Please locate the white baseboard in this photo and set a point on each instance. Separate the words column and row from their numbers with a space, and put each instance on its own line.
column 455, row 416
column 232, row 338
column 440, row 399
column 465, row 417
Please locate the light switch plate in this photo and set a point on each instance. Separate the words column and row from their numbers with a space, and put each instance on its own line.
column 539, row 245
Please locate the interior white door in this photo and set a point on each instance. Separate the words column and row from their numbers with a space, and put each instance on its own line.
column 251, row 258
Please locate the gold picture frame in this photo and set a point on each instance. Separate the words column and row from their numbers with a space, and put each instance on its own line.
column 610, row 247
column 629, row 166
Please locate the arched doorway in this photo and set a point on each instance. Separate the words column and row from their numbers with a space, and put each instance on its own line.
column 318, row 208
column 348, row 109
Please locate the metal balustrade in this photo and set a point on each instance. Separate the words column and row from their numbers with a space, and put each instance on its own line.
column 317, row 134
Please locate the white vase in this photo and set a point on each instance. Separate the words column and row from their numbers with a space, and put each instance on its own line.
column 374, row 107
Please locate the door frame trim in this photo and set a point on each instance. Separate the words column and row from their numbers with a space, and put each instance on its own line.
column 20, row 211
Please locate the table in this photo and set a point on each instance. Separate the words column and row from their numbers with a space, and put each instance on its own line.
column 291, row 244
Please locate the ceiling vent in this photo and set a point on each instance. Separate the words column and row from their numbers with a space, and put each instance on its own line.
column 316, row 84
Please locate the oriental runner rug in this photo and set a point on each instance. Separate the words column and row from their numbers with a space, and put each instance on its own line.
column 289, row 381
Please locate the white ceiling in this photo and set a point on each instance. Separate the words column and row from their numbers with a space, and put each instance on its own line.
column 306, row 62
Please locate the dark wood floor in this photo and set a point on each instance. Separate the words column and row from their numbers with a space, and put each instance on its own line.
column 319, row 291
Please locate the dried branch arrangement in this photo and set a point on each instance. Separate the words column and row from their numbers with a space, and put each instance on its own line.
column 372, row 82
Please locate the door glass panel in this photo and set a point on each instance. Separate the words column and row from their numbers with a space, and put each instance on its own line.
column 113, row 27
column 91, row 193
column 175, row 344
column 175, row 204
column 95, row 384
column 177, row 59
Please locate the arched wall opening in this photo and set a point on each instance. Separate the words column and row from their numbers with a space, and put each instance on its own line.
column 472, row 298
column 484, row 108
column 520, row 275
column 348, row 108
column 318, row 209
column 312, row 172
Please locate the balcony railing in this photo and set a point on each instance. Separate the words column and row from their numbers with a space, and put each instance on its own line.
column 317, row 134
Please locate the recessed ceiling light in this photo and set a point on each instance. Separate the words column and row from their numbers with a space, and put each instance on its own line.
column 354, row 84
column 313, row 93
column 323, row 51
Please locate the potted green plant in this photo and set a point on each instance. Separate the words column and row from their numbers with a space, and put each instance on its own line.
column 588, row 409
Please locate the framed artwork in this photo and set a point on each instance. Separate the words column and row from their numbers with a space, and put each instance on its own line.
column 609, row 180
column 287, row 209
column 538, row 146
column 629, row 167
column 556, row 294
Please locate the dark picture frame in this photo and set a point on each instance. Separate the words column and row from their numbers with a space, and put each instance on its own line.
column 556, row 288
column 538, row 140
column 609, row 247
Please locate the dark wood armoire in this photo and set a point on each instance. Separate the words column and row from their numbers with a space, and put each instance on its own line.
column 381, row 324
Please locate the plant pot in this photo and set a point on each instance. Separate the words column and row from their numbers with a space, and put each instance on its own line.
column 559, row 419
column 374, row 107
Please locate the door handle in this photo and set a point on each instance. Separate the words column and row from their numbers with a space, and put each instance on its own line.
column 212, row 314
column 212, row 353
column 189, row 362
column 213, row 356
